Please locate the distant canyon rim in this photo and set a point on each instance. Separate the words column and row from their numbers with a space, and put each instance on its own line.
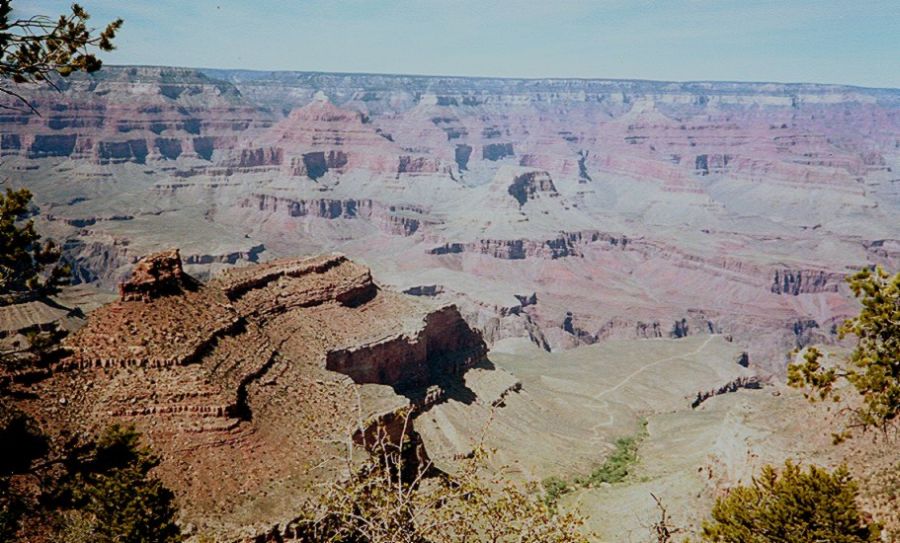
column 568, row 212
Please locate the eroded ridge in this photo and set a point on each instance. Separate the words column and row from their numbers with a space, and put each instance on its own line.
column 247, row 385
column 263, row 291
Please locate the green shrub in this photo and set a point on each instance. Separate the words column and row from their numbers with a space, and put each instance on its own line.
column 112, row 486
column 874, row 367
column 796, row 506
column 620, row 463
column 554, row 488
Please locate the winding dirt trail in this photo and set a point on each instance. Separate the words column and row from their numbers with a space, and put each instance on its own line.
column 653, row 364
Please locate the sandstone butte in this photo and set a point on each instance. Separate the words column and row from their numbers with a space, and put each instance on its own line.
column 252, row 386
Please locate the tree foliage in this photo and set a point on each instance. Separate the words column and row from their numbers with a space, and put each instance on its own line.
column 21, row 443
column 24, row 259
column 34, row 48
column 99, row 491
column 119, row 501
column 793, row 506
column 874, row 367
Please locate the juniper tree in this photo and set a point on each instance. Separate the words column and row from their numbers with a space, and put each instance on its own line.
column 793, row 506
column 24, row 259
column 874, row 366
column 115, row 496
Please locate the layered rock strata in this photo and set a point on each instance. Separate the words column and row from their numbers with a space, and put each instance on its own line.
column 251, row 384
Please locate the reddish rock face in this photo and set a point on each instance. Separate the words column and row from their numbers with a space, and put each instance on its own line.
column 156, row 275
column 255, row 377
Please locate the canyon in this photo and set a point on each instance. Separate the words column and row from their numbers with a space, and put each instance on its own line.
column 254, row 386
column 621, row 209
column 539, row 265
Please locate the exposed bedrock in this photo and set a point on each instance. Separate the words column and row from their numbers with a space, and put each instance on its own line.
column 750, row 200
column 257, row 359
column 169, row 148
column 805, row 281
column 245, row 287
column 157, row 275
column 420, row 165
column 112, row 152
column 529, row 185
column 424, row 290
column 100, row 262
column 751, row 382
column 261, row 156
column 497, row 151
column 444, row 346
column 565, row 244
column 52, row 146
column 716, row 164
column 584, row 329
column 316, row 164
column 462, row 153
column 404, row 220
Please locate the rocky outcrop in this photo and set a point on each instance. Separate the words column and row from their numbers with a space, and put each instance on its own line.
column 403, row 220
column 443, row 346
column 564, row 245
column 254, row 374
column 261, row 156
column 155, row 276
column 716, row 164
column 52, row 145
column 462, row 154
column 424, row 290
column 321, row 279
column 419, row 165
column 497, row 151
column 797, row 282
column 529, row 185
column 114, row 152
column 751, row 382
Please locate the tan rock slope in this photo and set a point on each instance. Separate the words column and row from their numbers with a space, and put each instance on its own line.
column 251, row 385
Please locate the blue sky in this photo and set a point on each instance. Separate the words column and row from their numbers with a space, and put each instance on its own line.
column 825, row 41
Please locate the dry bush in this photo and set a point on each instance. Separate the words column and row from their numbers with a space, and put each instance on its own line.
column 397, row 496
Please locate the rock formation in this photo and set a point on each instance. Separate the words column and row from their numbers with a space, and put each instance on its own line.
column 250, row 384
column 628, row 203
column 157, row 275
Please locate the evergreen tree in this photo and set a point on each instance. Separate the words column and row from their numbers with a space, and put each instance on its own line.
column 34, row 49
column 874, row 366
column 794, row 506
column 23, row 258
column 113, row 488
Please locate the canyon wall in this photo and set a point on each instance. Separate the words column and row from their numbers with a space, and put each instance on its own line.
column 625, row 206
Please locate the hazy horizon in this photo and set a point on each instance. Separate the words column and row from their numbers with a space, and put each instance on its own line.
column 682, row 40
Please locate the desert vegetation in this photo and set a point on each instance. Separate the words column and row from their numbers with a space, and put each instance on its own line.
column 392, row 498
column 27, row 266
column 614, row 469
column 97, row 490
column 792, row 504
column 873, row 369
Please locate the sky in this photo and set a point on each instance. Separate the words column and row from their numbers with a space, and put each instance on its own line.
column 853, row 42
